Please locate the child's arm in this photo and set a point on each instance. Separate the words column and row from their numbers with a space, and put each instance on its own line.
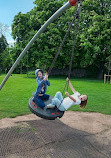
column 46, row 78
column 66, row 93
column 40, row 82
column 71, row 86
column 48, row 83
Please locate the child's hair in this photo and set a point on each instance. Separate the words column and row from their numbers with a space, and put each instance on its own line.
column 83, row 103
column 40, row 71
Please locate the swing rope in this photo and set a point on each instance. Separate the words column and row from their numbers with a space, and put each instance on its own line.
column 75, row 37
column 73, row 48
column 76, row 16
column 62, row 43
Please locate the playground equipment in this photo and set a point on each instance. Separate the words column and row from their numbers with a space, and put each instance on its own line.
column 49, row 113
column 54, row 113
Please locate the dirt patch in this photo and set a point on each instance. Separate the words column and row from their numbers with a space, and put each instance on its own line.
column 75, row 135
column 85, row 121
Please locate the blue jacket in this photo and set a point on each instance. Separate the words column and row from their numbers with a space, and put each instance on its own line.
column 42, row 86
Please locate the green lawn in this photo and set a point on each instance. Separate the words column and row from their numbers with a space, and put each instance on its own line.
column 18, row 89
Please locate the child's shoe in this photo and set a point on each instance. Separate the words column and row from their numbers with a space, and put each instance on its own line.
column 50, row 106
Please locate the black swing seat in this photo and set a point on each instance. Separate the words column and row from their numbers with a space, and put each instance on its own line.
column 47, row 113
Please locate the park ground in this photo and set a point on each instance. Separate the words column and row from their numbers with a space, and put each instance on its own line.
column 75, row 135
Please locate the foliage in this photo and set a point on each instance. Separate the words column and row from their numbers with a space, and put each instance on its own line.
column 93, row 39
column 42, row 51
column 108, row 64
column 3, row 46
column 3, row 43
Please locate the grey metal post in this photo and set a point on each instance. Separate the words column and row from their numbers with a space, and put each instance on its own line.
column 51, row 19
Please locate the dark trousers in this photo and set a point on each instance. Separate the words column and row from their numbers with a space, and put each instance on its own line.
column 39, row 100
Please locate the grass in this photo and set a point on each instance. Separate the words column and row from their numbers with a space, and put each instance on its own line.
column 18, row 89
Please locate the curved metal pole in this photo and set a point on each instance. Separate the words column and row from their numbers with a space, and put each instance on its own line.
column 51, row 19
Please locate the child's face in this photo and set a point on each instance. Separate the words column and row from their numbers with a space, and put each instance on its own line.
column 83, row 97
column 39, row 74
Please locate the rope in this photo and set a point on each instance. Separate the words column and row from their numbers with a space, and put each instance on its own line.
column 61, row 45
column 75, row 36
column 73, row 48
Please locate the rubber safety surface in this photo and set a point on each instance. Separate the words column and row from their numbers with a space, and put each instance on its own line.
column 47, row 139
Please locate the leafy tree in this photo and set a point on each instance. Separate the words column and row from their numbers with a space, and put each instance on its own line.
column 7, row 60
column 25, row 26
column 93, row 39
column 3, row 46
column 3, row 43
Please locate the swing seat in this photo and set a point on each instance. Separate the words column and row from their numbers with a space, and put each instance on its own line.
column 49, row 114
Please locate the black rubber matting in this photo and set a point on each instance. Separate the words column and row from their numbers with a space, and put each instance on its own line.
column 47, row 139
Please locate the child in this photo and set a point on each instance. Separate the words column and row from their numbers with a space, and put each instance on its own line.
column 42, row 82
column 64, row 104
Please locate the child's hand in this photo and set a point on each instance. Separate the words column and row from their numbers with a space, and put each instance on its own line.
column 46, row 76
column 67, row 79
column 46, row 73
column 66, row 93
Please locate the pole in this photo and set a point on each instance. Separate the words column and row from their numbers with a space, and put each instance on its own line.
column 51, row 19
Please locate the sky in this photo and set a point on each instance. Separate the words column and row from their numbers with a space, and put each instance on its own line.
column 10, row 8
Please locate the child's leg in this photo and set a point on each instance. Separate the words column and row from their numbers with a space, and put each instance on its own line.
column 56, row 100
column 40, row 102
column 45, row 97
column 59, row 96
column 58, row 103
column 35, row 98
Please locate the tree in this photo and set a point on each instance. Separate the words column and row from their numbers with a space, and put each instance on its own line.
column 25, row 26
column 3, row 46
column 3, row 43
column 95, row 37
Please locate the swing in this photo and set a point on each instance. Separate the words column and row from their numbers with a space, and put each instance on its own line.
column 49, row 114
column 53, row 113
